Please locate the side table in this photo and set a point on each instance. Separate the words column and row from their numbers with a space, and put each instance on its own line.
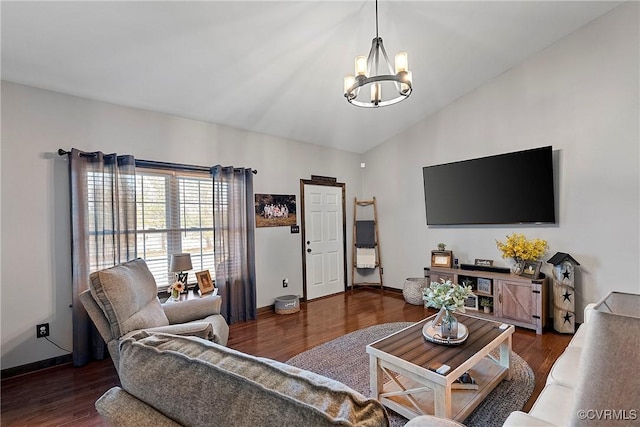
column 191, row 295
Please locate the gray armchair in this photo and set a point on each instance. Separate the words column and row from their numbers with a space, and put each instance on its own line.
column 123, row 300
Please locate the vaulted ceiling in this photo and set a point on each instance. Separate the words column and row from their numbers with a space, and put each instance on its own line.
column 275, row 67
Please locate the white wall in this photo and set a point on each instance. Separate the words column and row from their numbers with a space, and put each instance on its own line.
column 580, row 96
column 36, row 277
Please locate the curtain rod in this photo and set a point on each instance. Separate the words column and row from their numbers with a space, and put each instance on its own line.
column 158, row 165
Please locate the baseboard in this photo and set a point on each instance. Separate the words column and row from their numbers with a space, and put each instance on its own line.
column 376, row 287
column 35, row 366
column 271, row 308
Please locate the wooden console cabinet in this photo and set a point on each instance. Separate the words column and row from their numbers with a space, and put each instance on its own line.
column 516, row 299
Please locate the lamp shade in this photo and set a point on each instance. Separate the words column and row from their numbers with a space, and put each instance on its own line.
column 181, row 262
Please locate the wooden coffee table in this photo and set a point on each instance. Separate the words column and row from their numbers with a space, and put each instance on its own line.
column 413, row 389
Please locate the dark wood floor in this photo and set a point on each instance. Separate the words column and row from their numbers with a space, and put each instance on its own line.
column 65, row 395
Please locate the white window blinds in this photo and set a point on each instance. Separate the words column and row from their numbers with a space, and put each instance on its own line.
column 174, row 215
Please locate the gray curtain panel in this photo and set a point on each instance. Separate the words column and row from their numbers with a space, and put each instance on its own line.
column 234, row 242
column 103, row 232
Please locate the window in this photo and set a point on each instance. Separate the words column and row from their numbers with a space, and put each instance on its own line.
column 174, row 215
column 174, row 212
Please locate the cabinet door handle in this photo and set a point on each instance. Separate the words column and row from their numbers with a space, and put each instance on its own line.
column 500, row 298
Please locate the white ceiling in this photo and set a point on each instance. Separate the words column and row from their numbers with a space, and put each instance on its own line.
column 275, row 67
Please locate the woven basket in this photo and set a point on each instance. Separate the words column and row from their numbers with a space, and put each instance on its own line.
column 412, row 290
column 287, row 304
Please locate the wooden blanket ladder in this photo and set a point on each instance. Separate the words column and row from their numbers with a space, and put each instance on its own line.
column 365, row 253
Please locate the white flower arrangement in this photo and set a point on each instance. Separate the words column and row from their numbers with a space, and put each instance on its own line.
column 447, row 295
column 176, row 286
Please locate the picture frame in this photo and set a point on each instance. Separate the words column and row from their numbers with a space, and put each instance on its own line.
column 205, row 283
column 484, row 262
column 531, row 269
column 441, row 259
column 484, row 285
column 275, row 210
column 471, row 303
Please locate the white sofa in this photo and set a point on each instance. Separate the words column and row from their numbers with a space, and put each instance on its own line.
column 594, row 382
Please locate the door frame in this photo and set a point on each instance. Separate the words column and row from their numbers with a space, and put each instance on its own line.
column 324, row 183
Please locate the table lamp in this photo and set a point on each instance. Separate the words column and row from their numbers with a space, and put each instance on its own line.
column 180, row 264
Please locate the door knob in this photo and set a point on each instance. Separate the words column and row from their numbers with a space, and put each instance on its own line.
column 309, row 250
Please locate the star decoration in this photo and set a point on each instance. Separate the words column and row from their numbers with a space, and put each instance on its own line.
column 566, row 296
column 566, row 274
column 567, row 318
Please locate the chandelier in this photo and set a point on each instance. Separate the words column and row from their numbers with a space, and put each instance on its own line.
column 368, row 74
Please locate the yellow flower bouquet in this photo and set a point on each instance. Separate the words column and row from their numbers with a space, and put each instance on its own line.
column 521, row 249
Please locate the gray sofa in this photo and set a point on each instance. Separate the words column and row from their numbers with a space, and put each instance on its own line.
column 124, row 299
column 169, row 380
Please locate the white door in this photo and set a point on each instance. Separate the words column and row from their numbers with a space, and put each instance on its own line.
column 324, row 240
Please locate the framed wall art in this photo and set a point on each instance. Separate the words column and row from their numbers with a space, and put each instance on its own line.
column 275, row 210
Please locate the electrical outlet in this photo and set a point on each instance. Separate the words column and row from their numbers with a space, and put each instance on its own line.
column 285, row 283
column 42, row 330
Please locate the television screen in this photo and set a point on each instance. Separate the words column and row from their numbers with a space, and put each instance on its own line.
column 509, row 188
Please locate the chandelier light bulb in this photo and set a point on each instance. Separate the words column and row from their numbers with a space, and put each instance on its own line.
column 348, row 82
column 361, row 65
column 376, row 93
column 402, row 62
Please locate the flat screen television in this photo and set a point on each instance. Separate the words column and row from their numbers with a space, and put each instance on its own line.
column 512, row 188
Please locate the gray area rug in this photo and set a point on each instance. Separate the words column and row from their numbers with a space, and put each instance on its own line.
column 346, row 360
